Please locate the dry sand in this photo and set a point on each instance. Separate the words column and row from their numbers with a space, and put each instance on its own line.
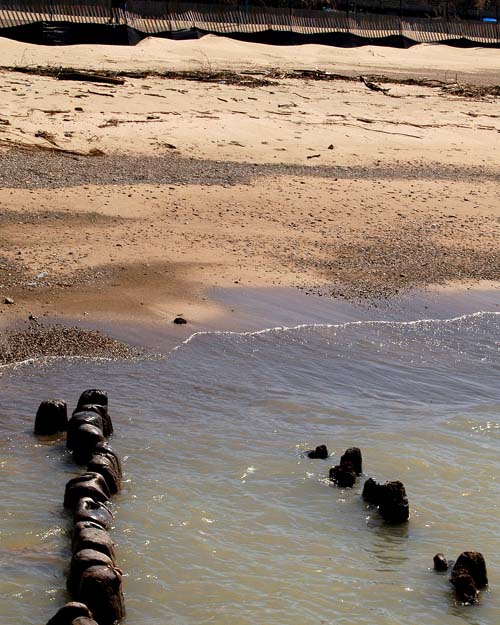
column 477, row 65
column 325, row 186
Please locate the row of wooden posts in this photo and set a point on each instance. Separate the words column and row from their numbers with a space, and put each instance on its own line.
column 225, row 20
column 468, row 574
column 94, row 581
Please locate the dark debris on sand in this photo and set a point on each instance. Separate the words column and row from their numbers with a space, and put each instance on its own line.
column 39, row 341
column 257, row 78
column 53, row 170
column 402, row 259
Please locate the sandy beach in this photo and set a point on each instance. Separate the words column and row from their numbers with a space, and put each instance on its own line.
column 131, row 203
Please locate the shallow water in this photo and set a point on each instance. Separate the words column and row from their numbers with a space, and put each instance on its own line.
column 223, row 521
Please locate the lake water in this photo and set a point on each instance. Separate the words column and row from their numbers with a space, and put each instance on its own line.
column 222, row 521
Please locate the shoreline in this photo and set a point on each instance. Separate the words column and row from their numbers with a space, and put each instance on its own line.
column 238, row 311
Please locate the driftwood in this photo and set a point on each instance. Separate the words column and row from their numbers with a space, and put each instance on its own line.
column 384, row 132
column 108, row 95
column 115, row 122
column 471, row 91
column 48, row 148
column 317, row 74
column 373, row 86
column 261, row 78
column 73, row 74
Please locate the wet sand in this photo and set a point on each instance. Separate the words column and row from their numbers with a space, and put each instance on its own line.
column 238, row 310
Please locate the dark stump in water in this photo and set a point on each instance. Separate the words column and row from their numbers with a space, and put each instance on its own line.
column 89, row 484
column 101, row 589
column 440, row 562
column 465, row 587
column 94, row 538
column 82, row 418
column 469, row 575
column 353, row 455
column 105, row 449
column 474, row 562
column 106, row 467
column 95, row 511
column 321, row 453
column 107, row 424
column 393, row 504
column 390, row 498
column 343, row 475
column 371, row 491
column 93, row 396
column 51, row 417
column 85, row 441
column 80, row 562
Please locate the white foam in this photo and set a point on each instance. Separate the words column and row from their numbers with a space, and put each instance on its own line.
column 312, row 326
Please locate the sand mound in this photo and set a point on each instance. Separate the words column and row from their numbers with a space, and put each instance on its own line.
column 477, row 65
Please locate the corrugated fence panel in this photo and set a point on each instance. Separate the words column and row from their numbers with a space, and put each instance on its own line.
column 154, row 17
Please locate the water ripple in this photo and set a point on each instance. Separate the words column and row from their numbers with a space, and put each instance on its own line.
column 222, row 519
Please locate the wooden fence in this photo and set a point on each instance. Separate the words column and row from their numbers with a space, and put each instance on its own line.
column 225, row 20
column 15, row 15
